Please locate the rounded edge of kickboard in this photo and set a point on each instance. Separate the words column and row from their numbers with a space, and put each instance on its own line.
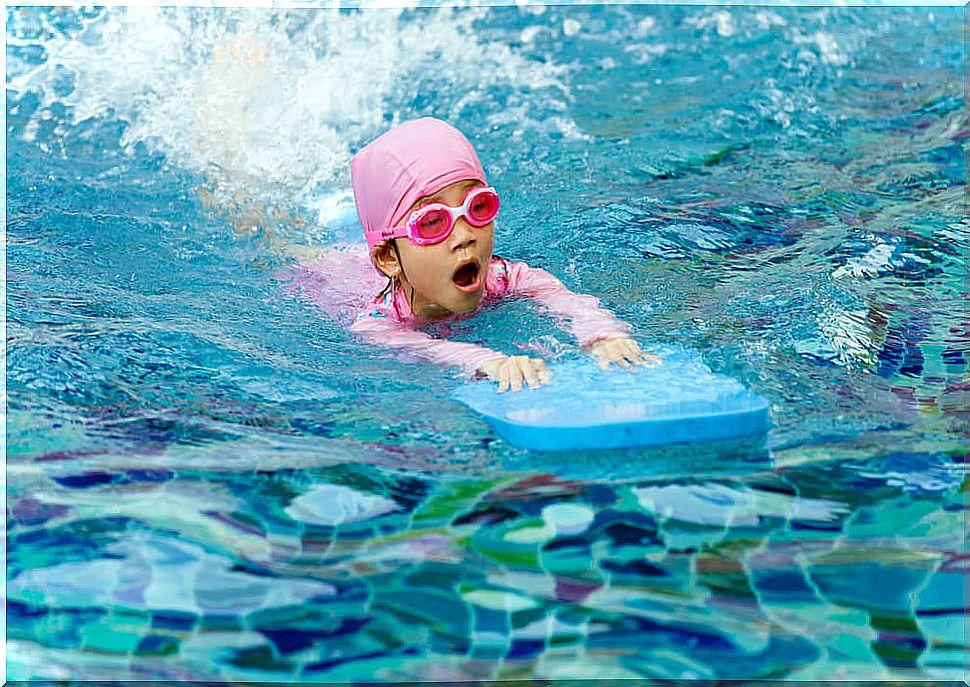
column 675, row 430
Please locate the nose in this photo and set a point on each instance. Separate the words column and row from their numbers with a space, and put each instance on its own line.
column 462, row 235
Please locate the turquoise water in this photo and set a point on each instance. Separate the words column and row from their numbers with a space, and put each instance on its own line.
column 207, row 479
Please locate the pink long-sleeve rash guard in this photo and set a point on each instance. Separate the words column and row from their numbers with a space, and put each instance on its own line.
column 343, row 281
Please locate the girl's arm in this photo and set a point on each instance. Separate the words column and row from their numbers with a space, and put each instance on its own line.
column 511, row 372
column 382, row 330
column 604, row 336
column 585, row 318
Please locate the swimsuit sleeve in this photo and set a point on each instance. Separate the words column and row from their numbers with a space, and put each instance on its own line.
column 586, row 319
column 380, row 327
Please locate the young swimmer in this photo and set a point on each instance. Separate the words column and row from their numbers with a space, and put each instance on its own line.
column 428, row 217
column 427, row 213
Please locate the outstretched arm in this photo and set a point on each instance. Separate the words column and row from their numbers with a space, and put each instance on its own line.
column 509, row 371
column 599, row 332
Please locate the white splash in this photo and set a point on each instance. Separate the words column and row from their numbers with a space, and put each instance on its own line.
column 272, row 104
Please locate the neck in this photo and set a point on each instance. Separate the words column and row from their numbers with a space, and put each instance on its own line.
column 421, row 307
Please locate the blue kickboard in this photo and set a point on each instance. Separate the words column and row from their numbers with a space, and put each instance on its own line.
column 584, row 407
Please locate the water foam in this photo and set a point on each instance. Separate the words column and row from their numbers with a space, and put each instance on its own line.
column 271, row 103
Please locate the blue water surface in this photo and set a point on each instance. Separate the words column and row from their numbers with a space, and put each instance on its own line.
column 209, row 479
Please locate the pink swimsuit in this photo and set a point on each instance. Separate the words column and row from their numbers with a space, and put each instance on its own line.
column 343, row 283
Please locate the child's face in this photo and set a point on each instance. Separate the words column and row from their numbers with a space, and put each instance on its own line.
column 449, row 275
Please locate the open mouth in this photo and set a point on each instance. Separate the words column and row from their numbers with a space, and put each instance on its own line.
column 466, row 277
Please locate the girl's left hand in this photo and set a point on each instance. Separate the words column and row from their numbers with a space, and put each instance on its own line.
column 622, row 351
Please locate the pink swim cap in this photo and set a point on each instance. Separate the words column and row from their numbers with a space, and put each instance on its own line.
column 411, row 161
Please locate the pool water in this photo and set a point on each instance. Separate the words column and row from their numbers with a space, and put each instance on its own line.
column 209, row 479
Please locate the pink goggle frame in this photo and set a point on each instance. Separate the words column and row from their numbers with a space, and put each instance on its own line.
column 433, row 223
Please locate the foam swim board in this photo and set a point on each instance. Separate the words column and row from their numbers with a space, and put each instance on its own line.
column 584, row 407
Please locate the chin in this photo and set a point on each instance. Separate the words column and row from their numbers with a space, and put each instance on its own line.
column 468, row 305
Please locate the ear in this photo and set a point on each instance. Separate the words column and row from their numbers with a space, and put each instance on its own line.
column 385, row 257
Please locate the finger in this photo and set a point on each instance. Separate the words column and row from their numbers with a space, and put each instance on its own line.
column 624, row 363
column 515, row 376
column 626, row 352
column 503, row 379
column 635, row 355
column 545, row 376
column 531, row 374
column 603, row 362
column 630, row 350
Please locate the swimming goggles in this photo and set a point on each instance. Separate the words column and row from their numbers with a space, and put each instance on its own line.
column 433, row 223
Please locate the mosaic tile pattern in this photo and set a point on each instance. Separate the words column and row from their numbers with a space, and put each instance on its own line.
column 789, row 572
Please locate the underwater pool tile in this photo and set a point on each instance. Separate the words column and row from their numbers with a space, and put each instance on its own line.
column 498, row 600
column 334, row 504
column 288, row 640
column 105, row 637
column 18, row 611
column 172, row 505
column 869, row 585
column 566, row 546
column 525, row 649
column 945, row 591
column 490, row 622
column 491, row 515
column 173, row 621
column 30, row 512
column 488, row 646
column 443, row 613
column 505, row 554
column 898, row 643
column 946, row 651
column 782, row 587
column 723, row 576
column 435, row 575
column 665, row 664
column 449, row 645
column 572, row 591
column 150, row 475
column 843, row 634
column 534, row 531
column 381, row 659
column 157, row 645
column 625, row 533
column 682, row 539
column 568, row 519
column 635, row 569
column 217, row 623
column 71, row 585
column 216, row 647
column 584, row 667
column 261, row 659
column 130, row 596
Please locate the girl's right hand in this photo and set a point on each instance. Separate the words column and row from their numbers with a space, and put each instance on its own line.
column 511, row 371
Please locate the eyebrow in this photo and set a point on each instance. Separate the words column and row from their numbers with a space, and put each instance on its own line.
column 468, row 185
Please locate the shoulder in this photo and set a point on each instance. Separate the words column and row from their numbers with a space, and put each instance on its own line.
column 514, row 275
column 504, row 274
column 381, row 309
column 499, row 267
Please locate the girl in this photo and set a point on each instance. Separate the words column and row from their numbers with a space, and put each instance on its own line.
column 428, row 218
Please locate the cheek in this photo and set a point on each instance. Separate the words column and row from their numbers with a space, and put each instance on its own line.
column 487, row 236
column 425, row 265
